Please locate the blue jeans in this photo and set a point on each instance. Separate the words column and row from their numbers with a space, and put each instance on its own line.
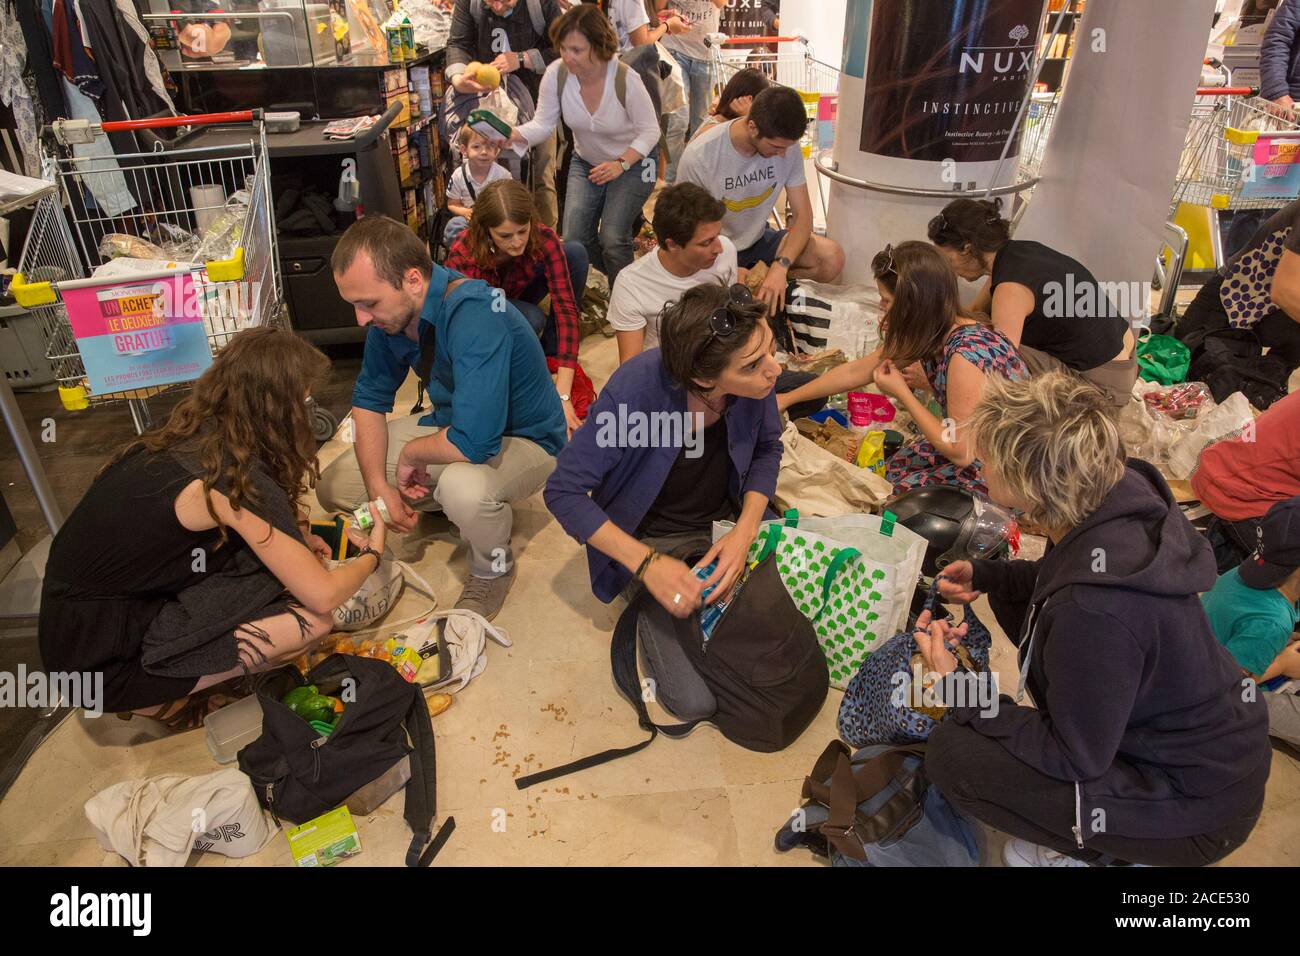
column 602, row 218
column 699, row 92
column 538, row 289
column 683, row 123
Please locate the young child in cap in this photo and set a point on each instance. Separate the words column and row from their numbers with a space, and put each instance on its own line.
column 1253, row 611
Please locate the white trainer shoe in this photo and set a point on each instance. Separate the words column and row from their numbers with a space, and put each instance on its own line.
column 1023, row 853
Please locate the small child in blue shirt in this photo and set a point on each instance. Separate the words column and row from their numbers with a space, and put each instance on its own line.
column 1253, row 610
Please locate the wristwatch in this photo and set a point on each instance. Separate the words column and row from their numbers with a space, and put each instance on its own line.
column 625, row 164
column 784, row 262
column 564, row 398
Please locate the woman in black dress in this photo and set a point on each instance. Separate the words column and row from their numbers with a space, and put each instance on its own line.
column 1048, row 304
column 188, row 563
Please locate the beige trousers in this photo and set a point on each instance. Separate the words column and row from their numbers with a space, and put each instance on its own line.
column 475, row 498
column 1115, row 378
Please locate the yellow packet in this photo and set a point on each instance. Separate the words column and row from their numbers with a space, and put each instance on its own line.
column 871, row 453
column 406, row 659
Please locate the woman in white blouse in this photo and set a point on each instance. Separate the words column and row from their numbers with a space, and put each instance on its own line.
column 612, row 172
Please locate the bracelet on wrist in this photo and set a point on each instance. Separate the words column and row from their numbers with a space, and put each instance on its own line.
column 645, row 564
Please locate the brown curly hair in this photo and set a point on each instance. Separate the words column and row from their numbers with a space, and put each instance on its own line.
column 506, row 200
column 249, row 409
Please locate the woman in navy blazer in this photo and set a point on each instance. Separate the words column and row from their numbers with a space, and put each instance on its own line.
column 681, row 436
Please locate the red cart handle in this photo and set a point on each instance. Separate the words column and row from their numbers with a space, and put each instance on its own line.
column 199, row 119
column 736, row 41
column 1227, row 91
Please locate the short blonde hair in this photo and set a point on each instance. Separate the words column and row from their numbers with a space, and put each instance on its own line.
column 1052, row 441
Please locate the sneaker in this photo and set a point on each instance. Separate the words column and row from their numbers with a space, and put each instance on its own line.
column 485, row 595
column 1023, row 853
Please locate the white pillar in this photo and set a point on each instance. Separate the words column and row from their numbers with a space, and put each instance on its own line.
column 929, row 91
column 1108, row 173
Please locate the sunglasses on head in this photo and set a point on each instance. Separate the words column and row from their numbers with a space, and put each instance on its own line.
column 889, row 263
column 722, row 321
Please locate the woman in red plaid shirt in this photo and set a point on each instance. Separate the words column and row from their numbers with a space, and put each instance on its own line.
column 507, row 246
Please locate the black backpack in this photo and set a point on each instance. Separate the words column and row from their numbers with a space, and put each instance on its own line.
column 1233, row 360
column 298, row 774
column 763, row 664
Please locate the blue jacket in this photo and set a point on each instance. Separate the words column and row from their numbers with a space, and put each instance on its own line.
column 505, row 387
column 1137, row 703
column 1279, row 53
column 599, row 479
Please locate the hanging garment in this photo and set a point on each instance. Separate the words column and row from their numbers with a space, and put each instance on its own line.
column 127, row 64
column 70, row 55
column 107, row 185
column 17, row 94
column 146, row 55
column 40, row 56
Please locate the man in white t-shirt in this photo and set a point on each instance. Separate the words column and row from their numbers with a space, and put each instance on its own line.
column 747, row 163
column 691, row 251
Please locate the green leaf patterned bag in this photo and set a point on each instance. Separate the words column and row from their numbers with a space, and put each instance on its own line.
column 852, row 576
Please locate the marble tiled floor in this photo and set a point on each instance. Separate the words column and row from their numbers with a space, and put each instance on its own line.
column 546, row 700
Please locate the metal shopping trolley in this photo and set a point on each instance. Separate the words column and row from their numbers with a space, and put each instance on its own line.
column 786, row 60
column 1241, row 152
column 795, row 66
column 1035, row 133
column 117, row 327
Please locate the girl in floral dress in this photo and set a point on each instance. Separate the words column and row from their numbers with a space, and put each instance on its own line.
column 927, row 339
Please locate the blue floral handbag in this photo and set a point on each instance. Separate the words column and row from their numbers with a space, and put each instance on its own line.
column 881, row 706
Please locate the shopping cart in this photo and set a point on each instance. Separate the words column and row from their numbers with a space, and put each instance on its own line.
column 1224, row 165
column 178, row 192
column 795, row 67
column 1035, row 133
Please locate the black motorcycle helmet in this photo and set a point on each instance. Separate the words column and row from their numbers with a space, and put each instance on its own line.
column 957, row 525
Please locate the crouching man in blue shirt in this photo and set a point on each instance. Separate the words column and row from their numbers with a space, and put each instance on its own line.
column 496, row 424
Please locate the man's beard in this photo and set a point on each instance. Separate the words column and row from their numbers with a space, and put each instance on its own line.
column 405, row 323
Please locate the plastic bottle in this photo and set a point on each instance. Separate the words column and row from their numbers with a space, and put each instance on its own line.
column 365, row 519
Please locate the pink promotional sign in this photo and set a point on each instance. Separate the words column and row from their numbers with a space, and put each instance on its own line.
column 1275, row 169
column 140, row 334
